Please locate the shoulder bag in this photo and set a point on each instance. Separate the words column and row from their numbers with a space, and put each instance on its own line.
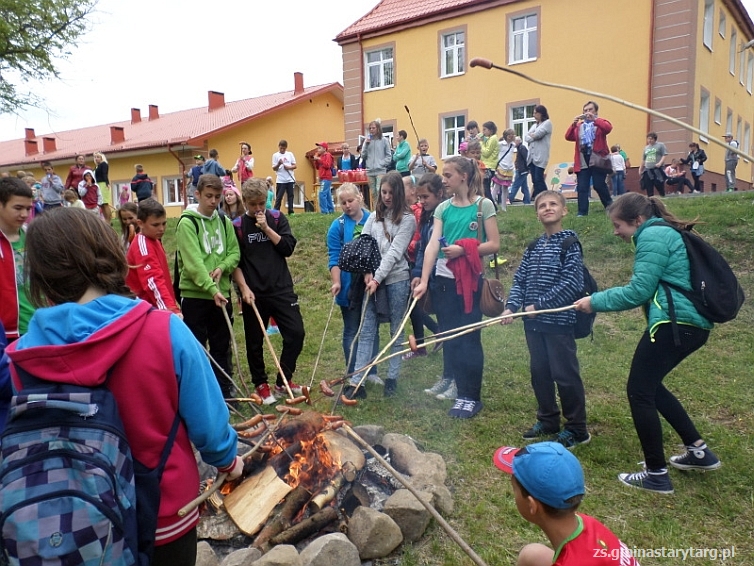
column 492, row 301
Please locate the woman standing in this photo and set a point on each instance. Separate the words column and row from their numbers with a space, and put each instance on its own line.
column 695, row 160
column 376, row 156
column 538, row 139
column 244, row 164
column 101, row 173
column 455, row 267
column 660, row 256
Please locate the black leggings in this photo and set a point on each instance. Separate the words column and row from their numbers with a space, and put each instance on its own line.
column 647, row 395
column 180, row 552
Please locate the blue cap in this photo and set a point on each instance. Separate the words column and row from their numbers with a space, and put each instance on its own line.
column 548, row 471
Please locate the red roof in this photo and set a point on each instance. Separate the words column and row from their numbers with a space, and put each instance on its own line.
column 185, row 127
column 389, row 13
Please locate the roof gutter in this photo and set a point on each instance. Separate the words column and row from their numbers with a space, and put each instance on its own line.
column 183, row 175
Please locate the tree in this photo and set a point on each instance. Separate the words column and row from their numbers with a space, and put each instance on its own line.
column 33, row 34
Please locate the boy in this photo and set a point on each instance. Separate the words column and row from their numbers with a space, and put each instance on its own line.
column 422, row 162
column 266, row 241
column 324, row 162
column 16, row 202
column 141, row 184
column 207, row 255
column 548, row 486
column 284, row 163
column 52, row 187
column 148, row 271
column 543, row 282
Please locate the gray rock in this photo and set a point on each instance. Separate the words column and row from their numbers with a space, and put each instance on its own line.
column 242, row 557
column 375, row 534
column 442, row 499
column 403, row 452
column 281, row 555
column 217, row 527
column 372, row 434
column 330, row 550
column 410, row 515
column 205, row 556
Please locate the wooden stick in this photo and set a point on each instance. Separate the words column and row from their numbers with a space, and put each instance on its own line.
column 235, row 350
column 322, row 343
column 303, row 529
column 194, row 503
column 487, row 64
column 271, row 348
column 442, row 522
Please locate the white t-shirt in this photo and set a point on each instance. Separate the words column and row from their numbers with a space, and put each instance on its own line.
column 284, row 175
column 619, row 164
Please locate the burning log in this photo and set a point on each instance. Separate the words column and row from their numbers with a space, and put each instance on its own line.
column 346, row 474
column 282, row 520
column 301, row 530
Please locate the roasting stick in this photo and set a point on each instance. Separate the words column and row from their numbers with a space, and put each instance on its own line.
column 229, row 378
column 235, row 350
column 351, row 353
column 442, row 522
column 272, row 349
column 322, row 343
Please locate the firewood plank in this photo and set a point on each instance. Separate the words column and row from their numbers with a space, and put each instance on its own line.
column 250, row 504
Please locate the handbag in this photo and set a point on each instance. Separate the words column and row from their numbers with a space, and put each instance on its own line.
column 492, row 300
column 503, row 176
column 600, row 162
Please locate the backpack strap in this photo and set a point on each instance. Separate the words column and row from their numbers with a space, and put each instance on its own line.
column 566, row 244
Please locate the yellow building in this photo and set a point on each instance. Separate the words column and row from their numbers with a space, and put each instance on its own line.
column 165, row 144
column 684, row 58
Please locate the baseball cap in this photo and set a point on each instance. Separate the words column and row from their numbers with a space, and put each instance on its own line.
column 198, row 157
column 322, row 144
column 548, row 471
column 728, row 135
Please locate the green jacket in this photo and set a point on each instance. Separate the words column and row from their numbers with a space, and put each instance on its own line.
column 402, row 156
column 490, row 150
column 205, row 244
column 660, row 255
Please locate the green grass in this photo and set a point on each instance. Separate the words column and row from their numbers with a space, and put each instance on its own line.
column 713, row 510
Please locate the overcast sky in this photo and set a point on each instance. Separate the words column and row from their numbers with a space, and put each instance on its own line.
column 143, row 52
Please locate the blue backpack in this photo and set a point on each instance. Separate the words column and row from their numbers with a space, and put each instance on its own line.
column 69, row 486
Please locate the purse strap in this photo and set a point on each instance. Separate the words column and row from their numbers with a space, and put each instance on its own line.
column 499, row 161
column 479, row 221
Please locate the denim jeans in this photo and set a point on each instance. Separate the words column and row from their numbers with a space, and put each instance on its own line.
column 537, row 180
column 397, row 294
column 619, row 186
column 520, row 182
column 374, row 189
column 586, row 178
column 463, row 356
column 326, row 205
column 351, row 320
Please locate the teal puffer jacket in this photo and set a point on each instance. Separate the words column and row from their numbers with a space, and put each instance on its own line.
column 660, row 256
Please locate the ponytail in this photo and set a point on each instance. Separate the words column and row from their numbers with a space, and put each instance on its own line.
column 628, row 207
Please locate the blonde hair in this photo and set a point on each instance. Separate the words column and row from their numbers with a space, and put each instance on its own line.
column 348, row 189
column 254, row 189
column 100, row 155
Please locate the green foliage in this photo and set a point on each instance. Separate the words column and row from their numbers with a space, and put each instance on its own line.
column 712, row 510
column 33, row 33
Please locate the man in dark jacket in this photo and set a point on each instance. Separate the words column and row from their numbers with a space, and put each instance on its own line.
column 141, row 184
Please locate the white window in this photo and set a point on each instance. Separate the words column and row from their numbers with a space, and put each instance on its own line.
column 722, row 25
column 453, row 133
column 387, row 133
column 453, row 52
column 172, row 188
column 729, row 121
column 523, row 39
column 379, row 69
column 521, row 118
column 732, row 52
column 749, row 72
column 709, row 22
column 747, row 138
column 704, row 113
column 118, row 189
column 718, row 111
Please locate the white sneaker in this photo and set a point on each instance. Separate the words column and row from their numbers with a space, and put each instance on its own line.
column 449, row 394
column 374, row 378
column 440, row 386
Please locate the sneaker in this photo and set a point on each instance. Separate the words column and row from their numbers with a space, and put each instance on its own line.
column 419, row 353
column 295, row 389
column 351, row 392
column 440, row 386
column 538, row 431
column 272, row 330
column 696, row 458
column 374, row 378
column 391, row 387
column 264, row 392
column 465, row 408
column 450, row 393
column 569, row 438
column 658, row 481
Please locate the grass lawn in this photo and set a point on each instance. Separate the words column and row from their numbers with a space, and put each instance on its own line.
column 713, row 510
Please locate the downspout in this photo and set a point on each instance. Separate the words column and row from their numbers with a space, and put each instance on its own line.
column 651, row 63
column 183, row 175
column 361, row 83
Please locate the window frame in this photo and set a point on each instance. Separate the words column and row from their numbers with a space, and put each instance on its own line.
column 510, row 39
column 367, row 66
column 704, row 112
column 747, row 138
column 729, row 121
column 443, row 49
column 749, row 72
column 732, row 51
column 739, row 130
column 718, row 111
column 167, row 185
column 708, row 23
column 723, row 24
column 460, row 131
column 742, row 64
column 526, row 121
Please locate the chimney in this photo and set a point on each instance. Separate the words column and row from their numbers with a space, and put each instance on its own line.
column 216, row 100
column 30, row 134
column 135, row 115
column 30, row 146
column 154, row 113
column 49, row 145
column 298, row 83
column 117, row 134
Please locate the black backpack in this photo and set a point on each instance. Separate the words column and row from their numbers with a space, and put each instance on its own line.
column 715, row 291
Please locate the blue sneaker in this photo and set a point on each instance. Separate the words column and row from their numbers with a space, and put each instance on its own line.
column 465, row 408
column 569, row 438
column 696, row 458
column 538, row 431
column 657, row 481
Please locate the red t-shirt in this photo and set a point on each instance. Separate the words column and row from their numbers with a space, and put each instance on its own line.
column 593, row 544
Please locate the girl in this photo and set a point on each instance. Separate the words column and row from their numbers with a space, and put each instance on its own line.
column 660, row 256
column 90, row 193
column 72, row 198
column 157, row 372
column 376, row 155
column 392, row 225
column 489, row 155
column 344, row 229
column 128, row 226
column 695, row 159
column 101, row 175
column 232, row 203
column 506, row 155
column 456, row 222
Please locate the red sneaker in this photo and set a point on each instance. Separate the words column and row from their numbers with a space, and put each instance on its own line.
column 264, row 392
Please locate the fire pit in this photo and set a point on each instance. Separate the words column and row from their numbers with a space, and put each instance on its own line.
column 308, row 484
